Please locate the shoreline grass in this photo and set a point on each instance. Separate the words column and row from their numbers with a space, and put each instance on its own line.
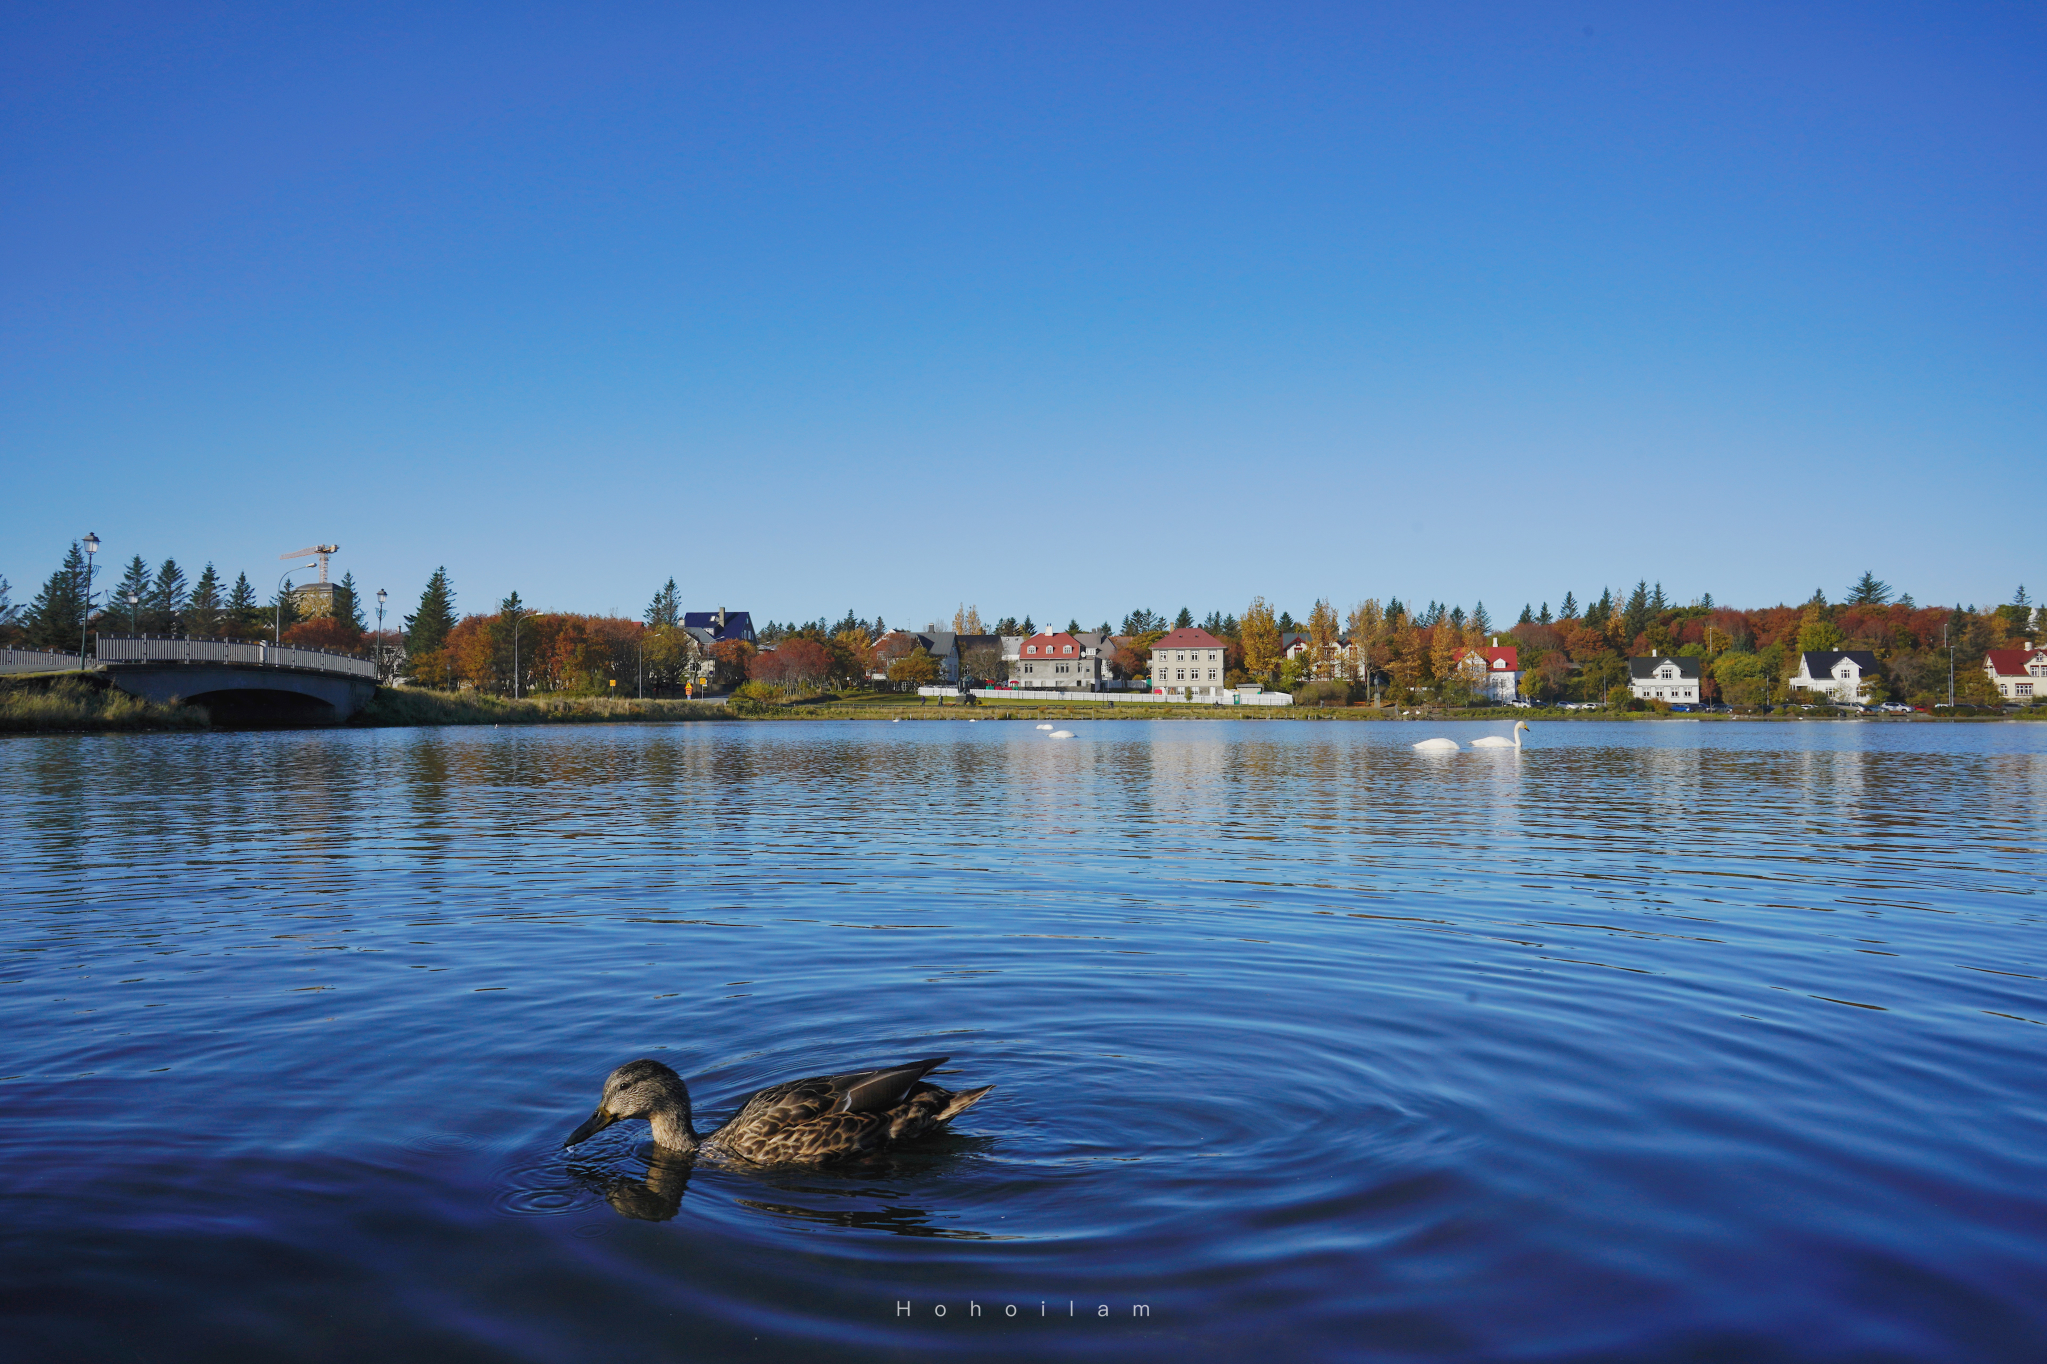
column 58, row 703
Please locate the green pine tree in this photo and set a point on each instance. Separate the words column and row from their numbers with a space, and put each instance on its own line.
column 243, row 611
column 202, row 613
column 9, row 612
column 131, row 596
column 1480, row 621
column 57, row 615
column 1869, row 590
column 427, row 628
column 164, row 607
column 348, row 605
column 666, row 608
column 1184, row 620
column 1569, row 610
column 283, row 611
column 1640, row 611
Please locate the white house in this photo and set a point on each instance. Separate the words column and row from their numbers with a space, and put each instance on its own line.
column 1662, row 678
column 1494, row 670
column 1059, row 660
column 1187, row 660
column 2018, row 674
column 1837, row 674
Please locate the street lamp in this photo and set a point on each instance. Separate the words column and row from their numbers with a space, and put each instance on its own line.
column 278, row 632
column 381, row 595
column 134, row 614
column 92, row 547
column 518, row 615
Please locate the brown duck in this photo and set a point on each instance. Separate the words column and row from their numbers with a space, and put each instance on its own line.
column 807, row 1122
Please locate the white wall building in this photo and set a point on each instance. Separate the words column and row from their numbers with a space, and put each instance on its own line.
column 1187, row 660
column 1836, row 674
column 2018, row 674
column 1662, row 678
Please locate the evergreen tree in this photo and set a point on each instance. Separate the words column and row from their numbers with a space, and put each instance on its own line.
column 427, row 628
column 666, row 608
column 1286, row 623
column 1528, row 613
column 131, row 596
column 242, row 610
column 202, row 613
column 1072, row 625
column 1658, row 603
column 283, row 612
column 1183, row 621
column 8, row 610
column 1457, row 618
column 1482, row 622
column 1569, row 610
column 1106, row 629
column 1707, row 601
column 1028, row 628
column 347, row 604
column 1869, row 590
column 1602, row 610
column 1544, row 617
column 1635, row 619
column 57, row 615
column 164, row 607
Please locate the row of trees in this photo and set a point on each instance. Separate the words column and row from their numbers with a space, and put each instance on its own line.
column 166, row 601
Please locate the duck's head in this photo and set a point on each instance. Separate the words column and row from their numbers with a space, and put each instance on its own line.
column 641, row 1089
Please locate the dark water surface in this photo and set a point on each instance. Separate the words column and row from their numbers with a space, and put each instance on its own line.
column 1652, row 1042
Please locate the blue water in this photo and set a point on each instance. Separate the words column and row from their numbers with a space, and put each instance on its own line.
column 1652, row 1042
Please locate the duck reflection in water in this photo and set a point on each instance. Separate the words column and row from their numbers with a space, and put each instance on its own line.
column 657, row 1198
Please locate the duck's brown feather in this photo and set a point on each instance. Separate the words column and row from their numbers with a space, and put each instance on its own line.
column 839, row 1117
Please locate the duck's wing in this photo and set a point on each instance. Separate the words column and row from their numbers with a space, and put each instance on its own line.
column 856, row 1091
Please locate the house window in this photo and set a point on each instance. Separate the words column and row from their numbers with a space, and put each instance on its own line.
column 2025, row 689
column 1030, row 648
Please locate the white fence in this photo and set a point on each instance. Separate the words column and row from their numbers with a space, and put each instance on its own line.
column 1222, row 698
column 36, row 661
column 261, row 653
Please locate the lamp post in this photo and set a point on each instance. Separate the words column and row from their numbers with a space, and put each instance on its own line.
column 518, row 615
column 92, row 547
column 134, row 614
column 381, row 595
column 278, row 633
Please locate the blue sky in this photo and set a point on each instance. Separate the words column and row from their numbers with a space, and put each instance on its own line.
column 1059, row 310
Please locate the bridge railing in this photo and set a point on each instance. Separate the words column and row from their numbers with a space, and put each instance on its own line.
column 143, row 649
column 36, row 661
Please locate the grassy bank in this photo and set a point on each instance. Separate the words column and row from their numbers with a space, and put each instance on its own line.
column 410, row 706
column 48, row 703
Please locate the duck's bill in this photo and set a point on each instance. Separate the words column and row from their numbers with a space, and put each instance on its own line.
column 597, row 1123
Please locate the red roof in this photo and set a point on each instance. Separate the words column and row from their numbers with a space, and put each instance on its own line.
column 2012, row 662
column 1055, row 645
column 1187, row 638
column 1506, row 658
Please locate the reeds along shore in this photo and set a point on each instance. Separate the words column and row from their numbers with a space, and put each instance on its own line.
column 46, row 704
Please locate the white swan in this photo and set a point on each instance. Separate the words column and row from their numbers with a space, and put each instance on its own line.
column 1044, row 726
column 1495, row 741
column 1436, row 746
column 1060, row 734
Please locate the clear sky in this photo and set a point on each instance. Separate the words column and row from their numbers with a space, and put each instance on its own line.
column 1052, row 309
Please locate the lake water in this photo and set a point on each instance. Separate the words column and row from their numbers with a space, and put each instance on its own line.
column 1651, row 1042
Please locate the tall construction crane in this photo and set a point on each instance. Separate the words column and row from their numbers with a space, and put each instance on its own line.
column 322, row 550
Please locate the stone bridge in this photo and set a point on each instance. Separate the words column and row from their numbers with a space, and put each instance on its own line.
column 237, row 683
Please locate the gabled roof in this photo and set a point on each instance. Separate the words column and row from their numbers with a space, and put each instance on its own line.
column 1503, row 657
column 1051, row 643
column 738, row 624
column 2012, row 662
column 1820, row 662
column 1644, row 669
column 1187, row 637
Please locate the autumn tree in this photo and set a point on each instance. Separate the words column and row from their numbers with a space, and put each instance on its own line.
column 1323, row 631
column 731, row 660
column 967, row 621
column 914, row 669
column 1263, row 650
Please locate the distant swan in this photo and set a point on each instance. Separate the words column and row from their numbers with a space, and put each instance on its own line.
column 1044, row 726
column 1495, row 741
column 806, row 1122
column 1436, row 746
column 1060, row 734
